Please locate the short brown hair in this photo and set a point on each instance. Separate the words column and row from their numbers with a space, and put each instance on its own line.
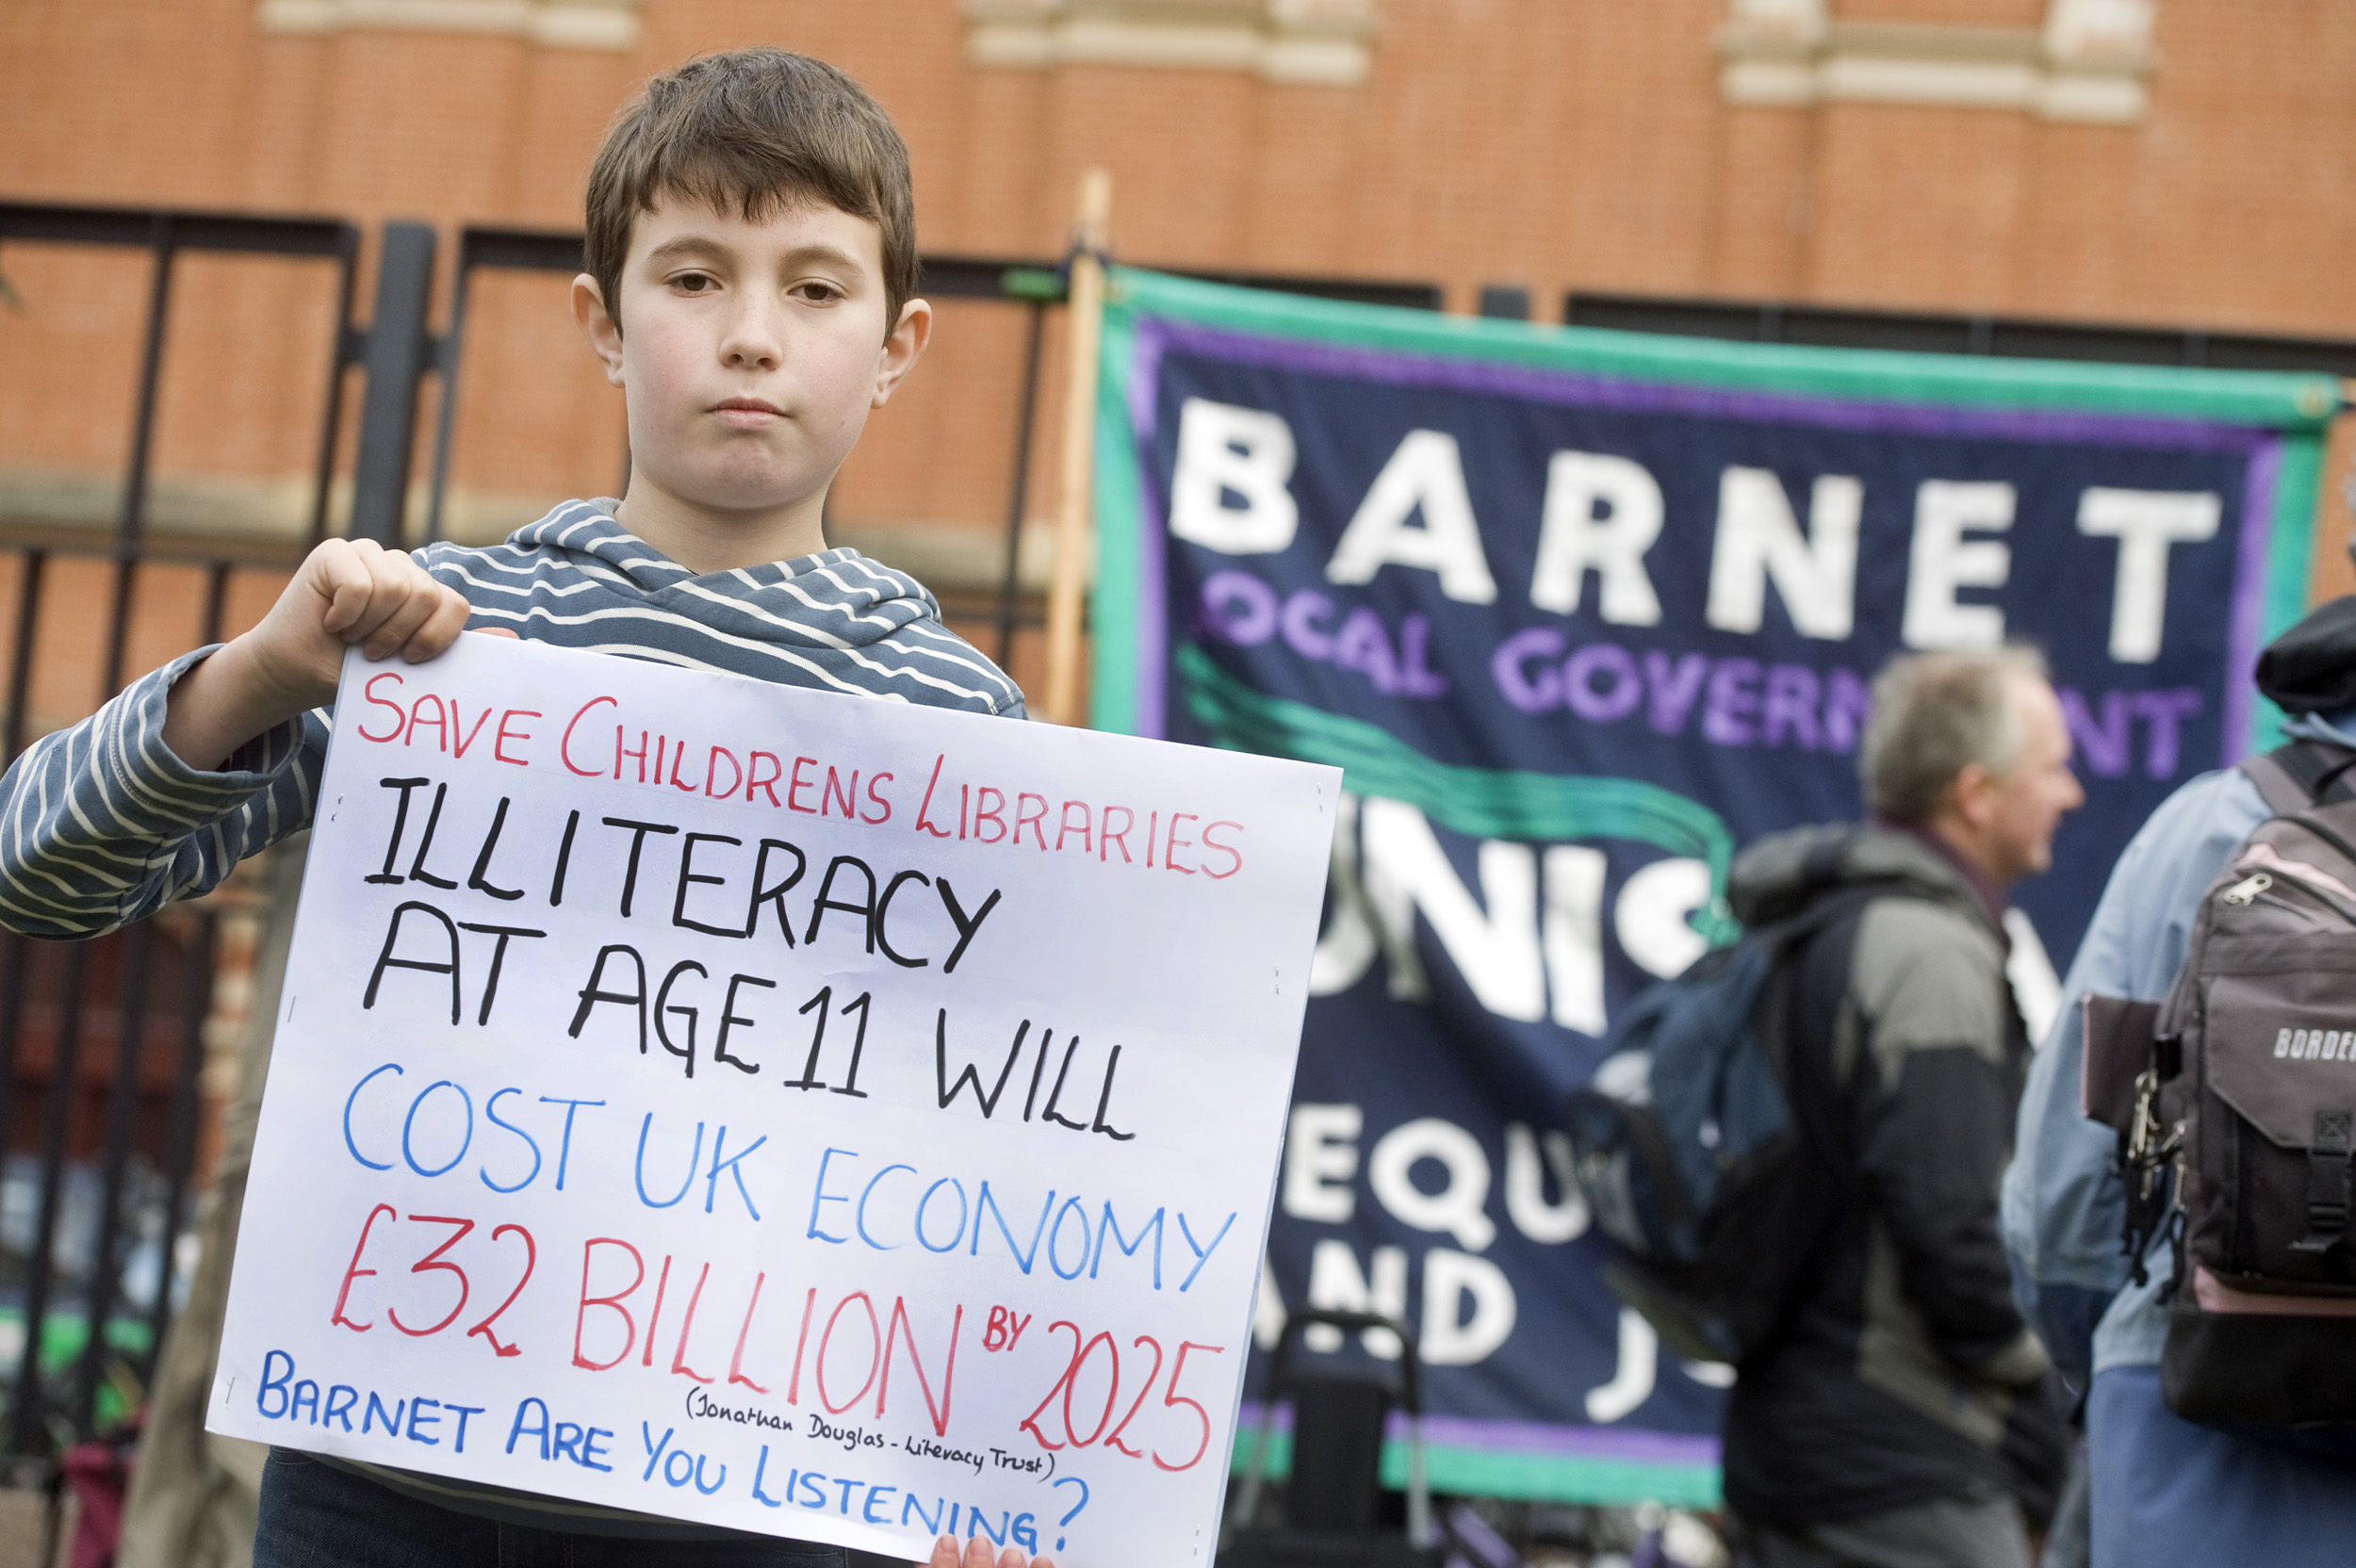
column 760, row 130
column 1936, row 715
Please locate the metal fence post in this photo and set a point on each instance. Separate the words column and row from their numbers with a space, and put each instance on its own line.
column 398, row 352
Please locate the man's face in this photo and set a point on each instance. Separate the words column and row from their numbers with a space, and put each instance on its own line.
column 750, row 352
column 2023, row 805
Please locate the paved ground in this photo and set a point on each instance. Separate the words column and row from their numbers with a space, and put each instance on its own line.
column 21, row 1522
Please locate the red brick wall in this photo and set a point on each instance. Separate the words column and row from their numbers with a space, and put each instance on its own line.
column 1553, row 143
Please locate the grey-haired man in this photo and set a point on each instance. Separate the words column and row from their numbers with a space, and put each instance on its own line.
column 1905, row 1414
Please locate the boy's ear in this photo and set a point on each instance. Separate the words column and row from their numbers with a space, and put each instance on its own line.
column 909, row 338
column 598, row 325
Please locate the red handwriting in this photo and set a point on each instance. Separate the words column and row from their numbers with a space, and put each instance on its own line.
column 435, row 1263
column 849, row 1347
column 498, row 742
column 840, row 1357
column 1020, row 818
column 653, row 757
column 1005, row 1328
column 564, row 747
column 1070, row 1384
column 1038, row 817
column 444, row 717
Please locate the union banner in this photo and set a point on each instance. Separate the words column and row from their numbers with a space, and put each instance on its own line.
column 1580, row 613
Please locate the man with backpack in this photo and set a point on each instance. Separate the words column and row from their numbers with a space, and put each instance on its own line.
column 2278, row 1488
column 1899, row 1412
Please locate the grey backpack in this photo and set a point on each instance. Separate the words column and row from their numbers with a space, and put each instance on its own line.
column 2235, row 1101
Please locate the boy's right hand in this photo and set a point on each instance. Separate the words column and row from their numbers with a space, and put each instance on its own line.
column 347, row 593
column 351, row 593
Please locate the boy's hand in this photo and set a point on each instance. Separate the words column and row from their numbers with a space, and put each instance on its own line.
column 351, row 593
column 978, row 1555
column 347, row 593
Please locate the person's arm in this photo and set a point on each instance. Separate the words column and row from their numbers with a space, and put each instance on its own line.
column 2063, row 1207
column 347, row 592
column 206, row 760
column 1934, row 1124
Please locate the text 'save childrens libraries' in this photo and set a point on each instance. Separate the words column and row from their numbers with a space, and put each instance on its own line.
column 821, row 1117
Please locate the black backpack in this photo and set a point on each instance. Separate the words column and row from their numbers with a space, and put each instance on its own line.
column 1686, row 1149
column 2235, row 1101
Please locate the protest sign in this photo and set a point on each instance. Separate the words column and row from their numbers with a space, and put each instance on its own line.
column 813, row 1116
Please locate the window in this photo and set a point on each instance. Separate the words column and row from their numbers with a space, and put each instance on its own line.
column 2089, row 61
column 559, row 23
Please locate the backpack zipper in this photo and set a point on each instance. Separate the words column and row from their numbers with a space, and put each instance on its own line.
column 2278, row 881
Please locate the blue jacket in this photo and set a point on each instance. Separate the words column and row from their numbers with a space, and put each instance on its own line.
column 2063, row 1209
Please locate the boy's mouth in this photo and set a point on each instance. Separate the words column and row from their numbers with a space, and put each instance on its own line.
column 747, row 412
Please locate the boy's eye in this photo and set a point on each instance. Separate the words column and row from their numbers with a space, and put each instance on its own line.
column 695, row 283
column 816, row 291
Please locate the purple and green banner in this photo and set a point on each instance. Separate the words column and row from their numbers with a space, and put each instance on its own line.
column 1580, row 613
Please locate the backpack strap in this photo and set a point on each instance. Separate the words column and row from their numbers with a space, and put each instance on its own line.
column 1829, row 904
column 2304, row 772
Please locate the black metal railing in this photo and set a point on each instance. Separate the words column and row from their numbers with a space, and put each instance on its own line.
column 102, row 1132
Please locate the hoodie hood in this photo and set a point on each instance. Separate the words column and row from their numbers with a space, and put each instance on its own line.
column 860, row 601
column 831, row 621
column 1783, row 873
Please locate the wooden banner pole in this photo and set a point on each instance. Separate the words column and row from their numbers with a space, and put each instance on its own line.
column 1084, row 326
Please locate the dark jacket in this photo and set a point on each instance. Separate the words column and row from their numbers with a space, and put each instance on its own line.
column 1904, row 1372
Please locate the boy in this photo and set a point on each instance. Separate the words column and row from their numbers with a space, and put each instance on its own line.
column 751, row 254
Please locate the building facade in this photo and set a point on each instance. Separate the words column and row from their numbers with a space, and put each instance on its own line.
column 2169, row 162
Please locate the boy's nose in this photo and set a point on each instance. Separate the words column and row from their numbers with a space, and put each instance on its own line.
column 752, row 340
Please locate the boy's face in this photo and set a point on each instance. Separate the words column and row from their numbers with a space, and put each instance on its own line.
column 749, row 355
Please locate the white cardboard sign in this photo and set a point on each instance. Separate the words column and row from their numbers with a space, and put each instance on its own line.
column 806, row 1114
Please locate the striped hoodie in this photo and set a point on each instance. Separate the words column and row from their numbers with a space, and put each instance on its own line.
column 101, row 824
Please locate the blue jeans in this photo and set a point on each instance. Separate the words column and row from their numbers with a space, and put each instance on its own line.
column 315, row 1516
column 2168, row 1491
